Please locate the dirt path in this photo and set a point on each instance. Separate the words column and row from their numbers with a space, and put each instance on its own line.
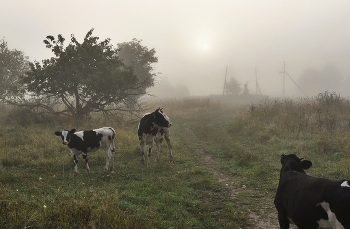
column 247, row 197
column 265, row 219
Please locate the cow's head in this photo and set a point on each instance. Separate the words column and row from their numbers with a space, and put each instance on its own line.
column 65, row 135
column 291, row 162
column 160, row 119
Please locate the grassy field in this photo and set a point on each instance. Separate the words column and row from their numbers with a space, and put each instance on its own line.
column 225, row 171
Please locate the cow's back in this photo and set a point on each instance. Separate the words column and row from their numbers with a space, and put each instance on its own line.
column 92, row 139
column 145, row 125
column 341, row 203
column 296, row 195
column 303, row 198
column 108, row 133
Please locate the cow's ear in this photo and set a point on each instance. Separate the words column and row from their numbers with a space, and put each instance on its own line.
column 283, row 157
column 306, row 164
column 72, row 131
column 58, row 133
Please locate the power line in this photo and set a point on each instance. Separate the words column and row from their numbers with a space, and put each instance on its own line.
column 284, row 75
column 295, row 83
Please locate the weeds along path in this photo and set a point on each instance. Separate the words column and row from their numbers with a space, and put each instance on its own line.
column 204, row 135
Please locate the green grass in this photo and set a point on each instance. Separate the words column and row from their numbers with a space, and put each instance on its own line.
column 225, row 171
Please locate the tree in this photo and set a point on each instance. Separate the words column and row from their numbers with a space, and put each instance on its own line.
column 245, row 90
column 232, row 87
column 13, row 64
column 84, row 77
column 164, row 89
column 317, row 81
column 311, row 81
column 141, row 59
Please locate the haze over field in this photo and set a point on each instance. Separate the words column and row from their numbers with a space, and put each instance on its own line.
column 196, row 40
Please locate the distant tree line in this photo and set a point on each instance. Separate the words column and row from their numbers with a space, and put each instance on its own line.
column 329, row 78
column 233, row 87
column 81, row 78
column 164, row 89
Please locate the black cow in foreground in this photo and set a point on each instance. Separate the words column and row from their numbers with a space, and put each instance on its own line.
column 82, row 142
column 310, row 202
column 153, row 128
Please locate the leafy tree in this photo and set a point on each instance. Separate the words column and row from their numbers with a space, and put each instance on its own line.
column 13, row 64
column 84, row 77
column 141, row 59
column 232, row 87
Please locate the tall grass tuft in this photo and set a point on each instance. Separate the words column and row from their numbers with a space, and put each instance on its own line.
column 317, row 127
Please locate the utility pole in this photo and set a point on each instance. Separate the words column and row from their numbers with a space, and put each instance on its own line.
column 223, row 90
column 257, row 88
column 284, row 75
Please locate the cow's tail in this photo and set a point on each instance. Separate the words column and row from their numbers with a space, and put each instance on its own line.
column 112, row 140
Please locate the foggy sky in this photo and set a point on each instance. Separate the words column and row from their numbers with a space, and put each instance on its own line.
column 195, row 40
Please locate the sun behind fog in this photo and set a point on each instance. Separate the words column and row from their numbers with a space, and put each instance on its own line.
column 203, row 43
column 205, row 47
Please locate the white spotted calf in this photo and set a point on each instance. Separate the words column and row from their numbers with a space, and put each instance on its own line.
column 82, row 142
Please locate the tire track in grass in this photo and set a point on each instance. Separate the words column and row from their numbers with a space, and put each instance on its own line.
column 269, row 222
column 266, row 216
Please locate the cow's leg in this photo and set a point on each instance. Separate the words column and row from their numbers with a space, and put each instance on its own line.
column 159, row 149
column 111, row 150
column 112, row 159
column 149, row 154
column 75, row 160
column 142, row 144
column 167, row 138
column 86, row 162
column 109, row 159
column 310, row 225
column 283, row 220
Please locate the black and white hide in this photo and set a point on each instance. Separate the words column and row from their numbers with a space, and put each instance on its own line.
column 310, row 202
column 82, row 142
column 153, row 128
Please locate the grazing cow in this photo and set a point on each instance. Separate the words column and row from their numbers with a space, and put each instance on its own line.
column 310, row 202
column 153, row 127
column 82, row 142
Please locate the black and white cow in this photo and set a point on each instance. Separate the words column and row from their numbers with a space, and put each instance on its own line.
column 310, row 202
column 82, row 142
column 153, row 127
